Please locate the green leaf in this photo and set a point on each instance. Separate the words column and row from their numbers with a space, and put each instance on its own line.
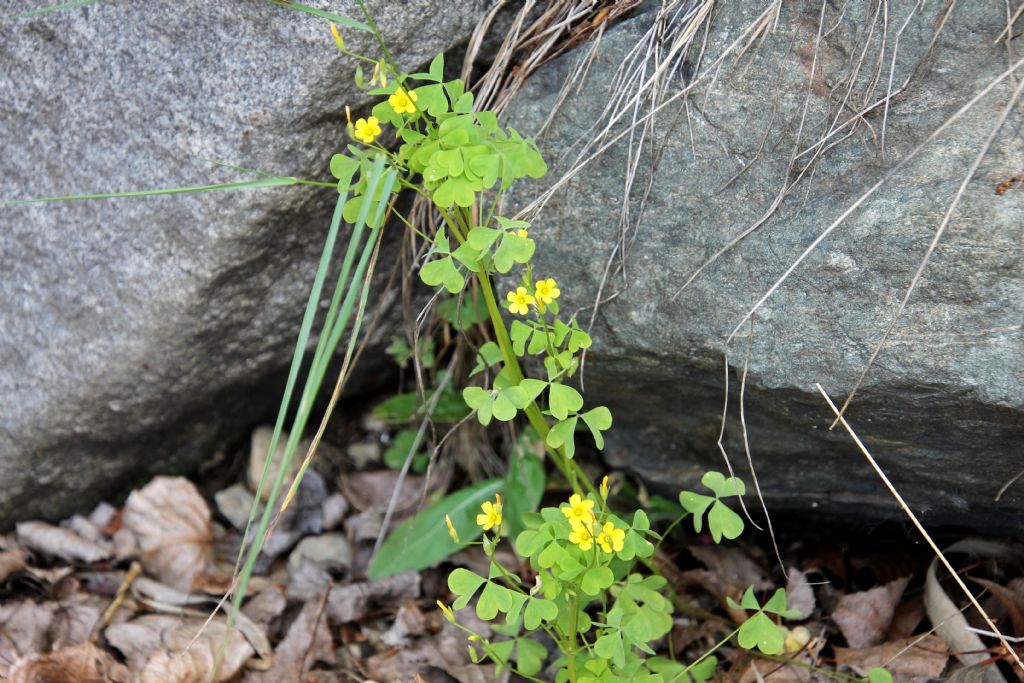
column 489, row 354
column 437, row 68
column 879, row 675
column 483, row 238
column 524, row 483
column 463, row 312
column 519, row 332
column 343, row 168
column 562, row 400
column 464, row 583
column 423, row 540
column 530, row 656
column 454, row 191
column 762, row 633
column 467, row 256
column 513, row 249
column 723, row 486
column 596, row 579
column 538, row 610
column 724, row 522
column 398, row 451
column 442, row 271
column 598, row 420
column 494, row 598
column 696, row 504
column 610, row 646
column 563, row 435
column 504, row 409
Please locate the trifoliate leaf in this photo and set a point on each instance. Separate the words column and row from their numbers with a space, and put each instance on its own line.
column 442, row 271
column 762, row 633
column 464, row 583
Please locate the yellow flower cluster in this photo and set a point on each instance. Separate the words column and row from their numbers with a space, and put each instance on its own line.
column 580, row 513
column 491, row 514
column 545, row 291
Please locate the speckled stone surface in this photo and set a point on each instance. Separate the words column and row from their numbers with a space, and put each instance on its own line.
column 133, row 333
column 943, row 408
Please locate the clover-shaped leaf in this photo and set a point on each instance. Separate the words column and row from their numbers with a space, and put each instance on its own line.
column 442, row 271
column 512, row 250
column 762, row 633
column 723, row 486
column 563, row 434
column 562, row 400
column 596, row 579
column 480, row 400
column 759, row 630
column 519, row 332
column 530, row 656
column 610, row 646
column 598, row 420
column 538, row 610
column 494, row 598
column 482, row 238
column 722, row 521
column 489, row 354
column 464, row 583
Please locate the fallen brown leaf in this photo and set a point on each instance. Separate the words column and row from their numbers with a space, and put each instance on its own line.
column 308, row 641
column 75, row 620
column 354, row 601
column 82, row 663
column 172, row 523
column 24, row 628
column 60, row 542
column 864, row 617
column 925, row 660
column 165, row 649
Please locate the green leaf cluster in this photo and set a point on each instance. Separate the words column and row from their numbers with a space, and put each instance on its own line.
column 759, row 631
column 722, row 521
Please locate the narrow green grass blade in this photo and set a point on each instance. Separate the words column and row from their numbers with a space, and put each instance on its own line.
column 274, row 181
column 46, row 10
column 310, row 388
column 330, row 16
column 300, row 349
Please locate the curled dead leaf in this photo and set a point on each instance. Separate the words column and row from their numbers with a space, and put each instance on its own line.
column 172, row 523
column 308, row 641
column 166, row 649
column 60, row 542
column 864, row 617
column 82, row 663
column 922, row 658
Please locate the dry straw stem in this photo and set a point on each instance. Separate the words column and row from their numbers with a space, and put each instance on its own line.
column 928, row 539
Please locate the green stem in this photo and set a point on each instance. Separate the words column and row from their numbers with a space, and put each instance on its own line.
column 570, row 648
column 704, row 656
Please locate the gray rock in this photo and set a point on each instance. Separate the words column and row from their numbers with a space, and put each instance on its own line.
column 942, row 408
column 330, row 551
column 136, row 335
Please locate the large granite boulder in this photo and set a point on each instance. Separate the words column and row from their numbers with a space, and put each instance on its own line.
column 136, row 335
column 943, row 407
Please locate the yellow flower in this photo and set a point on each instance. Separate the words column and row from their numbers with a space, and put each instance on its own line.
column 367, row 129
column 580, row 510
column 519, row 301
column 491, row 516
column 604, row 488
column 403, row 102
column 582, row 536
column 447, row 611
column 547, row 291
column 522, row 232
column 611, row 539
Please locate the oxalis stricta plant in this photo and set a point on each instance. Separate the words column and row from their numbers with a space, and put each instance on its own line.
column 590, row 586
